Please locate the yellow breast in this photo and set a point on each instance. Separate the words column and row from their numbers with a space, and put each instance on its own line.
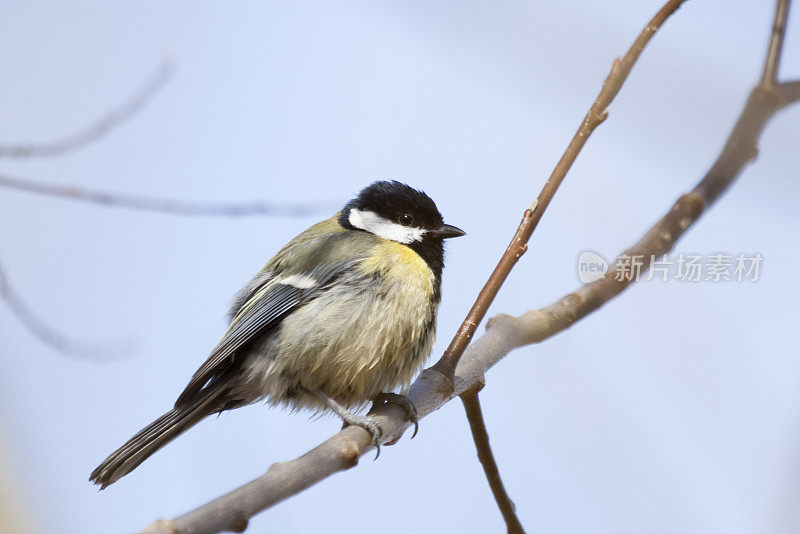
column 398, row 263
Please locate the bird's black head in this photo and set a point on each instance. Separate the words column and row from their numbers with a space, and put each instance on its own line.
column 393, row 210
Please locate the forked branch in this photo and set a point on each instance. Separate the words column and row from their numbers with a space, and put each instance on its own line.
column 741, row 147
column 767, row 97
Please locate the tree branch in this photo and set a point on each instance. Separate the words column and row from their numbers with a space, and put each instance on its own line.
column 95, row 131
column 434, row 387
column 769, row 76
column 764, row 101
column 480, row 436
column 504, row 333
column 597, row 113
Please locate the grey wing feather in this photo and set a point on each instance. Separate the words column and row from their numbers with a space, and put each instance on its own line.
column 250, row 289
column 262, row 312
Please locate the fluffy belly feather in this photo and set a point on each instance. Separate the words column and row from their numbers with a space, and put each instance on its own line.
column 370, row 333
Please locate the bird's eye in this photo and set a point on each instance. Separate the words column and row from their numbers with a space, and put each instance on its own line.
column 405, row 219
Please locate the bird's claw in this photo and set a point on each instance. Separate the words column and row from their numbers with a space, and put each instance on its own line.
column 374, row 429
column 350, row 418
column 403, row 402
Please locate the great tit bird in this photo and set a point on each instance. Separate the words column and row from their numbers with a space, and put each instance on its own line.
column 344, row 313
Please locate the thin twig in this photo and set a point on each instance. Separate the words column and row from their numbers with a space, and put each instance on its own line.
column 161, row 205
column 55, row 339
column 472, row 407
column 598, row 113
column 518, row 246
column 769, row 77
column 95, row 131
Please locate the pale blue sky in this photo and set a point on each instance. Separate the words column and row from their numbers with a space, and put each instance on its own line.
column 674, row 409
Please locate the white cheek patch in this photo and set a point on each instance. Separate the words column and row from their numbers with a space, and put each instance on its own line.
column 300, row 281
column 374, row 223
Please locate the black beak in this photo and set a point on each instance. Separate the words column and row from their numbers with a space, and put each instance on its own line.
column 447, row 231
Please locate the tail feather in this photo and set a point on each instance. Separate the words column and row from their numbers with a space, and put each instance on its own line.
column 154, row 436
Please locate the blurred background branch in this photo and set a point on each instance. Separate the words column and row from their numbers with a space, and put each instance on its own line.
column 54, row 338
column 25, row 314
column 106, row 123
column 162, row 205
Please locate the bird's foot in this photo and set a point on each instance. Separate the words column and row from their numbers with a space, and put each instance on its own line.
column 374, row 429
column 403, row 402
column 349, row 418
